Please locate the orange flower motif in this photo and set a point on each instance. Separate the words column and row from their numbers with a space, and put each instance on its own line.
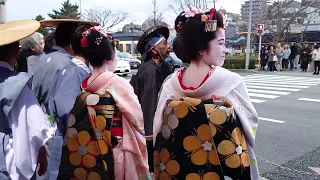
column 216, row 117
column 103, row 136
column 201, row 147
column 235, row 151
column 164, row 166
column 81, row 174
column 204, row 18
column 82, row 150
column 181, row 108
column 201, row 176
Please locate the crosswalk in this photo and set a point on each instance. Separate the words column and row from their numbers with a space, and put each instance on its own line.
column 262, row 88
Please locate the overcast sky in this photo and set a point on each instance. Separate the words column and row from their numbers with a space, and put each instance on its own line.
column 139, row 9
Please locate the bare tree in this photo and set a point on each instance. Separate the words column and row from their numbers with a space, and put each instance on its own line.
column 308, row 18
column 281, row 14
column 177, row 6
column 106, row 17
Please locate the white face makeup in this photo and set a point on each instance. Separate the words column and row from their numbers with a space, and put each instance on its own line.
column 217, row 50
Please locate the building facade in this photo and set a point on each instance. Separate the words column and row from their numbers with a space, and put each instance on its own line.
column 259, row 8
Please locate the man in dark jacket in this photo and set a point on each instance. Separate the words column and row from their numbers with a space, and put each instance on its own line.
column 293, row 55
column 154, row 48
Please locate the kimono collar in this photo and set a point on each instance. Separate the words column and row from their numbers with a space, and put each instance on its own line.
column 220, row 82
column 5, row 65
column 58, row 48
column 103, row 79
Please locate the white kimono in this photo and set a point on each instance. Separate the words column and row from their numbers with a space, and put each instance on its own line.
column 30, row 131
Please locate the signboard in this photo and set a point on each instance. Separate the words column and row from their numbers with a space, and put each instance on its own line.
column 295, row 28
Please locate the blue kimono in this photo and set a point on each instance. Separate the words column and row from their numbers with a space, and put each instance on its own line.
column 63, row 94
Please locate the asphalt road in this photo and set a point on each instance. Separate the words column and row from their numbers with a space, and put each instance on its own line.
column 288, row 132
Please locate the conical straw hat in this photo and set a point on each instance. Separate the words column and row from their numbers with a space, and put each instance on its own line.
column 13, row 31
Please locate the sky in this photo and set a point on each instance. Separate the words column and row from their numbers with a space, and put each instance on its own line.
column 139, row 10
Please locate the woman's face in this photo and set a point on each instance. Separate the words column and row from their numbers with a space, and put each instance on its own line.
column 217, row 51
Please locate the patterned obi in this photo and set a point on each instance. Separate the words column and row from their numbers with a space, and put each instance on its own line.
column 201, row 139
column 87, row 151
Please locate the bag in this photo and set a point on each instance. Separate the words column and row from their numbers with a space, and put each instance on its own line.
column 275, row 59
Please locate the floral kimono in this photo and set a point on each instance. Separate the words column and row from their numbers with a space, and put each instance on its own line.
column 206, row 132
column 105, row 138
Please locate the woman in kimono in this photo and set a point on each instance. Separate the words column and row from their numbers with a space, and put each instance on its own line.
column 205, row 122
column 24, row 129
column 109, row 143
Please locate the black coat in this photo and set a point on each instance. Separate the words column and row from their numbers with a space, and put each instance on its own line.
column 22, row 65
column 147, row 84
column 294, row 52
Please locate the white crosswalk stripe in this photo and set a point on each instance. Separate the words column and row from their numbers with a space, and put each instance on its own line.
column 262, row 88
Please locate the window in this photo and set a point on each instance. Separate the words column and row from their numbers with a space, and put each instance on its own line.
column 120, row 47
column 128, row 48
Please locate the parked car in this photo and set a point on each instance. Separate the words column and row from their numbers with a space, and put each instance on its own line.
column 123, row 68
column 134, row 63
column 174, row 61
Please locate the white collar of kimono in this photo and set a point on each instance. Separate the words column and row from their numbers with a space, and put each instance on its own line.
column 81, row 64
column 5, row 65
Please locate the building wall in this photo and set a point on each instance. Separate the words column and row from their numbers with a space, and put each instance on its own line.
column 258, row 10
column 127, row 46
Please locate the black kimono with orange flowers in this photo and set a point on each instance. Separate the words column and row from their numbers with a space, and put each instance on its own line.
column 201, row 139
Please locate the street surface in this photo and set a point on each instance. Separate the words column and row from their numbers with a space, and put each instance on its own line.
column 288, row 104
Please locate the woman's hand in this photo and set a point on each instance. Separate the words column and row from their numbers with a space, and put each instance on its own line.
column 42, row 160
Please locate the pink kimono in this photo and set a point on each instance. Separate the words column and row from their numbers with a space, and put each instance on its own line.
column 130, row 155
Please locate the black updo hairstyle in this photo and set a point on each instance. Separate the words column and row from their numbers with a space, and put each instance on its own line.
column 76, row 39
column 191, row 35
column 97, row 53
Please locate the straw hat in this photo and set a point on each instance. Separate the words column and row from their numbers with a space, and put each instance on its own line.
column 13, row 31
column 151, row 32
column 55, row 22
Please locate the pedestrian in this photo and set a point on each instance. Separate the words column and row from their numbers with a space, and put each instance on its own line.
column 297, row 59
column 305, row 56
column 46, row 69
column 286, row 54
column 279, row 54
column 272, row 59
column 292, row 56
column 65, row 88
column 263, row 57
column 24, row 129
column 105, row 137
column 316, row 58
column 154, row 48
column 32, row 45
column 195, row 132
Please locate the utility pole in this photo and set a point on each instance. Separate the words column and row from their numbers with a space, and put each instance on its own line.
column 3, row 11
column 249, row 37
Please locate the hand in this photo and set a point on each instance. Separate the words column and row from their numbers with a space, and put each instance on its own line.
column 42, row 160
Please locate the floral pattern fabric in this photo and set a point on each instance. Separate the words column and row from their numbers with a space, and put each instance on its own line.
column 87, row 154
column 201, row 139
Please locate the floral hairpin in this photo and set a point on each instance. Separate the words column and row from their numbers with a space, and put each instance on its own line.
column 225, row 22
column 98, row 40
column 210, row 24
column 191, row 12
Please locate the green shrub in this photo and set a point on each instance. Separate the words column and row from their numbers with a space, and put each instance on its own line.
column 239, row 62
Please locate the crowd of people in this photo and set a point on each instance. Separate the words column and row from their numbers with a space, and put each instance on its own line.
column 64, row 114
column 294, row 56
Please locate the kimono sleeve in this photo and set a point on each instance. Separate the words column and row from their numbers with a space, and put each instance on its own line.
column 30, row 131
column 128, row 103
